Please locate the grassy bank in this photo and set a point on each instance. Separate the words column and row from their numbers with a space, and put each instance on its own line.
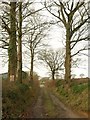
column 76, row 97
column 16, row 98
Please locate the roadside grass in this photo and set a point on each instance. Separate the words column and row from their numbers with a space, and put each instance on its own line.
column 16, row 98
column 79, row 88
column 76, row 97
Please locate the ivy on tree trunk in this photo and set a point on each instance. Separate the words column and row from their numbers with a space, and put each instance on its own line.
column 12, row 49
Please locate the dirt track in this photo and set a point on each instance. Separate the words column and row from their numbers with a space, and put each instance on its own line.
column 49, row 106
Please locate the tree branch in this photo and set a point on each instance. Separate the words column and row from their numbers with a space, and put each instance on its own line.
column 79, row 51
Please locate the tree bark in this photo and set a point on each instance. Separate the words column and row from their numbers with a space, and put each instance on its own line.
column 53, row 75
column 68, row 57
column 12, row 50
column 19, row 66
column 31, row 70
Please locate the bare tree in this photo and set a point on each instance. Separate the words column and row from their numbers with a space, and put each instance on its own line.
column 73, row 16
column 34, row 38
column 53, row 59
column 22, row 12
column 9, row 29
column 25, row 12
column 9, row 24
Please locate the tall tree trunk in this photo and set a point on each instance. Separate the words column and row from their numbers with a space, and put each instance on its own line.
column 53, row 75
column 31, row 70
column 12, row 50
column 68, row 58
column 19, row 66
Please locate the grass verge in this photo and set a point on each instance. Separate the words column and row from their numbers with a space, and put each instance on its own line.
column 76, row 97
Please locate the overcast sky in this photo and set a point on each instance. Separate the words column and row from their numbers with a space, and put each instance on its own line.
column 55, row 40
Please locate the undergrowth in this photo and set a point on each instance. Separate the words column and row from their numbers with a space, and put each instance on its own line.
column 16, row 97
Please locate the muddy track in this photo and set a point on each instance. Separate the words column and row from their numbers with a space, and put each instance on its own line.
column 38, row 108
column 49, row 106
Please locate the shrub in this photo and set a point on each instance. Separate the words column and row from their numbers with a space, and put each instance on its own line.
column 16, row 98
column 58, row 83
column 13, row 95
column 23, row 88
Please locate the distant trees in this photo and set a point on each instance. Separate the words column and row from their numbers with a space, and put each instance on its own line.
column 53, row 59
column 82, row 75
column 73, row 16
column 73, row 76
